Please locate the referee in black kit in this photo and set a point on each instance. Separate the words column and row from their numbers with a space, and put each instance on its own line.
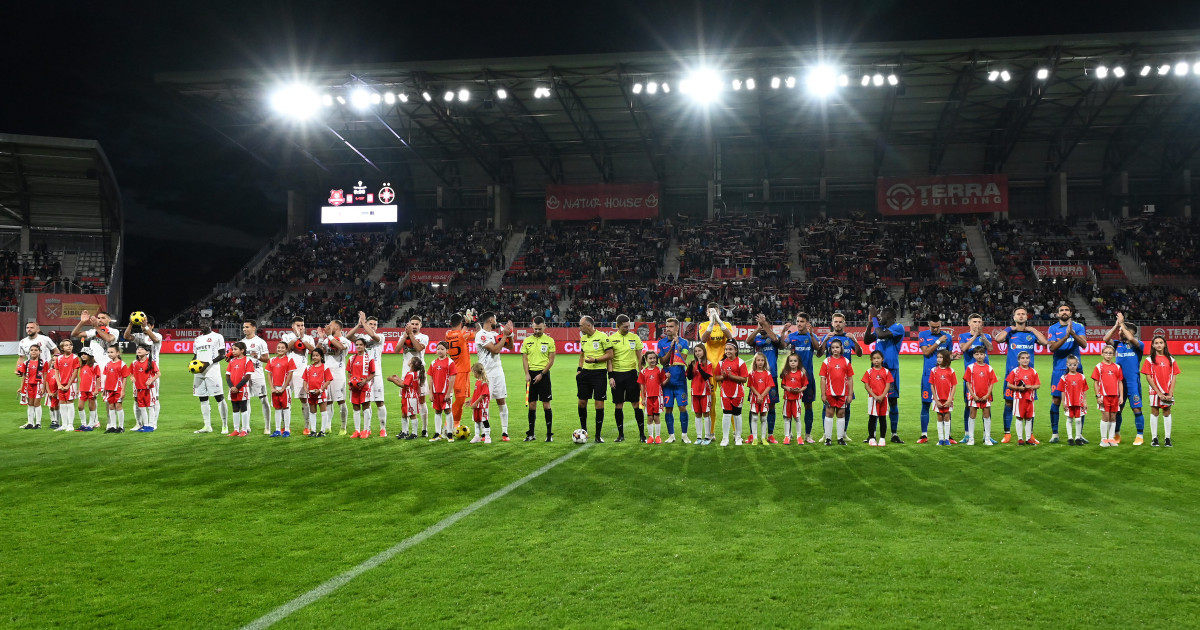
column 626, row 348
column 537, row 353
column 595, row 359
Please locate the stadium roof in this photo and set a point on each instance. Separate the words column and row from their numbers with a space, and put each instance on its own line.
column 57, row 184
column 950, row 111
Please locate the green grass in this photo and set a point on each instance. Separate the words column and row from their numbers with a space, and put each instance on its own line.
column 179, row 530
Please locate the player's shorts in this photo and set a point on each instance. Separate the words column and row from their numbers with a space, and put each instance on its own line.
column 86, row 396
column 1072, row 412
column 114, row 397
column 462, row 384
column 1008, row 393
column 298, row 388
column 810, row 392
column 281, row 400
column 479, row 414
column 877, row 408
column 72, row 393
column 1111, row 404
column 591, row 385
column 53, row 402
column 238, row 394
column 1156, row 403
column 895, row 393
column 410, row 406
column 731, row 405
column 1133, row 394
column 337, row 387
column 653, row 405
column 316, row 397
column 980, row 404
column 626, row 388
column 441, row 402
column 838, row 402
column 1055, row 376
column 760, row 405
column 257, row 385
column 207, row 384
column 926, row 389
column 497, row 386
column 144, row 398
column 1024, row 408
column 702, row 404
column 938, row 408
column 675, row 395
column 791, row 408
column 360, row 395
column 30, row 392
column 541, row 390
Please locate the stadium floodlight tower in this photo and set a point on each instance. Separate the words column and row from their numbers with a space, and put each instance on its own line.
column 703, row 85
column 822, row 81
column 296, row 101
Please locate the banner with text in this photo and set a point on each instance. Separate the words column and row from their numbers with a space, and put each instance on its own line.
column 1060, row 269
column 63, row 309
column 602, row 201
column 430, row 276
column 943, row 194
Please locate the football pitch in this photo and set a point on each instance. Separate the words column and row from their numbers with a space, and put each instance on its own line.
column 176, row 530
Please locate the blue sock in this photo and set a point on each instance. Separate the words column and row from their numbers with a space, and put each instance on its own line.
column 1139, row 421
column 670, row 421
column 683, row 420
column 846, row 421
column 808, row 420
column 1120, row 419
column 771, row 420
column 1008, row 413
column 924, row 418
column 1054, row 418
column 894, row 413
column 966, row 418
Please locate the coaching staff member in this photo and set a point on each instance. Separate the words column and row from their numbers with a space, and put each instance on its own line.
column 595, row 360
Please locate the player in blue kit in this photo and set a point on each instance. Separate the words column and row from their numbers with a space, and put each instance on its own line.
column 1021, row 338
column 930, row 342
column 967, row 342
column 1129, row 357
column 672, row 352
column 1067, row 339
column 887, row 335
column 838, row 324
column 768, row 343
column 804, row 343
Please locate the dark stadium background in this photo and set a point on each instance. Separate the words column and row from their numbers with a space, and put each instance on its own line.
column 195, row 202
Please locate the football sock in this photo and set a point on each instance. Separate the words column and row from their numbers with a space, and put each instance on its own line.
column 599, row 421
column 1120, row 419
column 1054, row 417
column 1153, row 426
column 154, row 409
column 971, row 427
column 266, row 411
column 941, row 427
column 1139, row 421
column 423, row 414
column 327, row 420
column 37, row 416
column 619, row 418
column 583, row 418
column 532, row 421
column 342, row 408
column 68, row 417
column 112, row 419
column 670, row 421
column 737, row 425
column 966, row 418
column 987, row 426
column 924, row 418
column 770, row 421
column 725, row 420
column 846, row 419
column 808, row 421
column 205, row 413
column 223, row 408
column 1029, row 429
column 1008, row 417
column 478, row 428
column 1071, row 428
column 29, row 414
column 842, row 430
column 764, row 431
column 549, row 413
column 683, row 420
column 382, row 419
column 357, row 421
column 1167, row 426
column 95, row 413
column 870, row 427
column 828, row 423
column 437, row 423
column 894, row 416
column 640, row 417
column 503, row 418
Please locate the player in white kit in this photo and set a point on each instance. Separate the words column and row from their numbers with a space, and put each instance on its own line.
column 146, row 336
column 489, row 342
column 413, row 344
column 258, row 353
column 209, row 349
column 365, row 332
column 99, row 338
column 299, row 345
column 336, row 347
column 34, row 337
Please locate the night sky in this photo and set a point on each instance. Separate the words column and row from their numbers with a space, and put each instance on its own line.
column 197, row 208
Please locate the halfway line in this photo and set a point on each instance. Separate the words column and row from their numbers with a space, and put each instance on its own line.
column 339, row 581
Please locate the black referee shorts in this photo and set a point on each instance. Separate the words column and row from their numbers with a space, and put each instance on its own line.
column 626, row 388
column 539, row 391
column 592, row 384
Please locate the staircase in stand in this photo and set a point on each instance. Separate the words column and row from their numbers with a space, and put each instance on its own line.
column 980, row 250
column 511, row 249
column 797, row 269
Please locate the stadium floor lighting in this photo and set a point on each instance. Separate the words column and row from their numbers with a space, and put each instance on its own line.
column 877, row 80
column 637, row 89
column 296, row 101
column 464, row 95
column 1164, row 69
column 1043, row 74
column 1004, row 76
column 327, row 100
column 751, row 84
column 375, row 98
column 821, row 81
column 736, row 84
column 993, row 75
column 501, row 93
column 775, row 83
column 843, row 80
column 651, row 88
column 1181, row 69
column 341, row 99
column 866, row 80
column 666, row 87
column 1196, row 68
column 706, row 85
column 403, row 97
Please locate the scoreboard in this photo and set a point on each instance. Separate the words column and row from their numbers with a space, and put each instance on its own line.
column 361, row 204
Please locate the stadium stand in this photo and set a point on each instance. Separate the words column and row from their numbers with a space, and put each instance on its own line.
column 229, row 309
column 886, row 251
column 323, row 258
column 1147, row 303
column 319, row 307
column 1016, row 244
column 994, row 299
column 756, row 242
column 472, row 253
column 435, row 306
column 1167, row 247
column 623, row 250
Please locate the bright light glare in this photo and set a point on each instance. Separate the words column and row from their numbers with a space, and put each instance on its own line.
column 389, row 98
column 705, row 85
column 1005, row 76
column 448, row 96
column 993, row 75
column 821, row 81
column 1118, row 72
column 1101, row 72
column 327, row 100
column 637, row 88
column 360, row 98
column 774, row 83
column 403, row 97
column 374, row 98
column 1043, row 74
column 296, row 101
column 877, row 80
column 736, row 84
column 790, row 82
column 750, row 84
column 893, row 80
column 1145, row 71
column 464, row 95
column 666, row 87
column 1163, row 69
column 866, row 80
column 501, row 93
column 1181, row 68
column 843, row 80
column 651, row 87
column 427, row 96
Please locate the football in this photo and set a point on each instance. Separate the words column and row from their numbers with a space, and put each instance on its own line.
column 579, row 436
column 299, row 347
column 137, row 318
column 195, row 366
column 462, row 432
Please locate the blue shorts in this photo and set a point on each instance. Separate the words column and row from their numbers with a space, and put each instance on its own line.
column 895, row 383
column 673, row 395
column 1055, row 376
column 1133, row 394
column 1008, row 396
column 926, row 390
column 773, row 395
column 810, row 393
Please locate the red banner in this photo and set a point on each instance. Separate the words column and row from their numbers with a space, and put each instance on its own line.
column 63, row 309
column 1060, row 269
column 943, row 194
column 430, row 276
column 602, row 201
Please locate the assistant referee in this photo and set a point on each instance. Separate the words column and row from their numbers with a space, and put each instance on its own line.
column 595, row 359
column 537, row 353
column 623, row 378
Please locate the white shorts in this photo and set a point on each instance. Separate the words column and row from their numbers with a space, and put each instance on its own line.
column 337, row 388
column 377, row 391
column 258, row 384
column 208, row 383
column 496, row 385
column 298, row 389
column 154, row 389
column 1153, row 401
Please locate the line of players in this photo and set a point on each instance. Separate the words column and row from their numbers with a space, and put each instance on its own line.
column 632, row 378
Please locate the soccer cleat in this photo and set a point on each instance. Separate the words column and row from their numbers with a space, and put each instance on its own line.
column 951, row 441
column 842, row 441
column 244, row 433
column 1104, row 443
column 749, row 439
column 1032, row 441
column 725, row 442
column 828, row 442
column 149, row 430
column 437, row 437
column 530, row 438
column 870, row 441
column 988, row 441
column 771, row 440
column 234, row 434
column 1116, row 439
column 809, row 440
column 503, row 436
column 321, row 434
column 411, row 436
column 224, row 431
column 487, row 439
column 670, row 439
column 787, row 439
column 354, row 436
column 549, row 438
column 621, row 438
column 599, row 440
column 28, row 426
column 1082, row 441
column 924, row 440
column 81, row 428
column 426, row 434
column 119, row 429
column 286, row 434
column 266, row 432
column 738, row 441
column 275, row 434
column 342, row 432
column 108, row 430
column 55, row 425
column 685, row 439
column 1137, row 440
column 1154, row 442
column 1021, row 442
column 1054, row 439
column 366, row 434
column 475, row 440
column 1167, row 443
column 1006, row 439
column 970, row 442
column 658, row 439
column 896, row 439
column 382, row 433
column 306, row 431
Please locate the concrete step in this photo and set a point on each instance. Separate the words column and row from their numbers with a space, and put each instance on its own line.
column 980, row 250
column 797, row 270
column 511, row 249
column 671, row 259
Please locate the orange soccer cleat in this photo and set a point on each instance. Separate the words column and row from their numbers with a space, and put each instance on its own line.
column 1006, row 439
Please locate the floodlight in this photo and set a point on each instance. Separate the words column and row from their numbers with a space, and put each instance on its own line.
column 706, row 85
column 651, row 88
column 1043, row 74
column 501, row 93
column 296, row 101
column 821, row 81
column 774, row 83
column 464, row 95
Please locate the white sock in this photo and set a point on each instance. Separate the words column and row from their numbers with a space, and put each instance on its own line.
column 223, row 408
column 827, row 422
column 1078, row 422
column 737, row 426
column 701, row 422
column 37, row 416
column 1070, row 428
column 139, row 413
column 206, row 413
column 266, row 411
column 423, row 414
column 287, row 419
column 121, row 419
column 327, row 421
column 358, row 421
column 503, row 419
column 725, row 420
column 344, row 413
column 95, row 415
column 29, row 414
column 367, row 416
column 840, row 423
column 987, row 427
column 971, row 426
column 68, row 417
column 1152, row 420
column 437, row 423
column 382, row 420
column 478, row 429
column 1029, row 429
column 1167, row 426
column 941, row 426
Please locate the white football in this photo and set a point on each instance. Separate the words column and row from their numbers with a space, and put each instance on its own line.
column 579, row 436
